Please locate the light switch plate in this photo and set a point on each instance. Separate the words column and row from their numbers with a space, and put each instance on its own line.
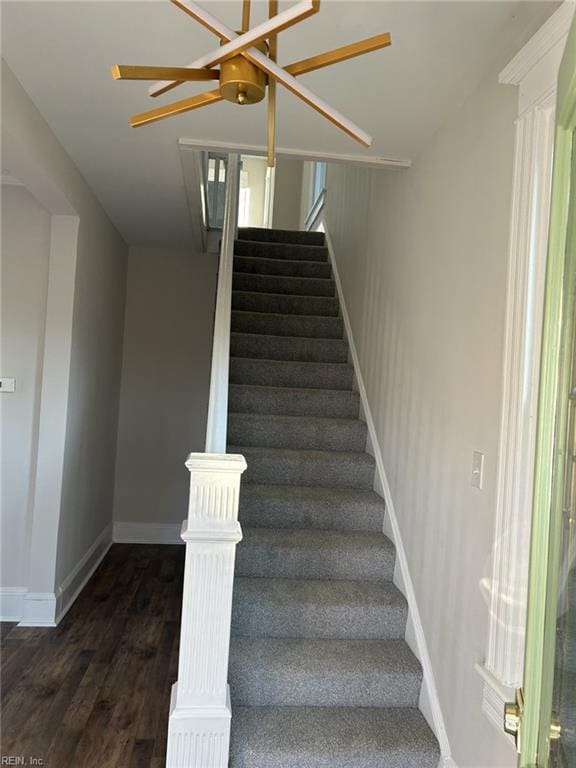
column 7, row 385
column 477, row 477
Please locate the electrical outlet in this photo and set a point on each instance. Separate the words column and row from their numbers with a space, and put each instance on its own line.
column 477, row 478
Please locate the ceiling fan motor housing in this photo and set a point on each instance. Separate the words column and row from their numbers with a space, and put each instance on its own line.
column 240, row 81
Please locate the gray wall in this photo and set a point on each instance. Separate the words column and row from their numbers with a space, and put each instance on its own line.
column 25, row 254
column 165, row 380
column 32, row 153
column 287, row 194
column 422, row 255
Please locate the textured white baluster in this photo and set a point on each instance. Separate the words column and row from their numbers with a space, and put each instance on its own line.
column 199, row 726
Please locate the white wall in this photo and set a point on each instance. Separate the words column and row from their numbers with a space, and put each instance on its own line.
column 422, row 255
column 255, row 170
column 287, row 194
column 165, row 380
column 25, row 253
column 83, row 348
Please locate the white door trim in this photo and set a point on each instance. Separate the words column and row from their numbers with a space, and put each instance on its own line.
column 535, row 71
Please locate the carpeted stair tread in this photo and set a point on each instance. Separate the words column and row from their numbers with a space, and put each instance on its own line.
column 320, row 673
column 290, row 373
column 288, row 267
column 281, row 235
column 291, row 251
column 331, row 737
column 284, row 304
column 284, row 466
column 312, row 608
column 293, row 401
column 282, row 506
column 298, row 286
column 271, row 324
column 330, row 673
column 310, row 554
column 299, row 432
column 256, row 345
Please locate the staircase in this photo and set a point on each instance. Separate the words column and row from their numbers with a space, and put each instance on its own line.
column 319, row 671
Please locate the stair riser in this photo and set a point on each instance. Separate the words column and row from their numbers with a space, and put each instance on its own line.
column 287, row 325
column 269, row 619
column 337, row 404
column 257, row 512
column 297, row 286
column 291, row 251
column 287, row 348
column 284, row 304
column 333, row 472
column 263, row 266
column 286, row 374
column 267, row 561
column 305, row 434
column 318, row 690
column 281, row 236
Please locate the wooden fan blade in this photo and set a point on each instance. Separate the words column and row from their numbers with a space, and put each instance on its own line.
column 176, row 108
column 273, row 54
column 236, row 44
column 245, row 15
column 133, row 72
column 339, row 54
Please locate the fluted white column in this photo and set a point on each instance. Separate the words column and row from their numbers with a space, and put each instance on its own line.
column 534, row 70
column 199, row 726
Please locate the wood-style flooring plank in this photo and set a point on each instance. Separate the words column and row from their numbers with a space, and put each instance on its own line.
column 94, row 692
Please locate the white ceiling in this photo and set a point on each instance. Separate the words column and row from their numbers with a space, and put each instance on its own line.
column 62, row 52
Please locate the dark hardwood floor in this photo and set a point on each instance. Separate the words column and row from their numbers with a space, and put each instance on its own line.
column 94, row 692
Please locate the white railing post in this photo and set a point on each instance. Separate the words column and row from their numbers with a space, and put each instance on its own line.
column 200, row 713
column 218, row 403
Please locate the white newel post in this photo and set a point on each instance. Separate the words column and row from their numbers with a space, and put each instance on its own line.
column 199, row 726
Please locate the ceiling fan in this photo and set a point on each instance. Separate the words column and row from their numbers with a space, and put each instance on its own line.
column 247, row 67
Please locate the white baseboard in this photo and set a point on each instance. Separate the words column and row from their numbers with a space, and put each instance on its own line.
column 38, row 610
column 11, row 600
column 46, row 609
column 429, row 701
column 82, row 572
column 147, row 533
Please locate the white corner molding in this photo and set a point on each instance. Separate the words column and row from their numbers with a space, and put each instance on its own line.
column 550, row 34
column 535, row 70
column 200, row 713
column 429, row 701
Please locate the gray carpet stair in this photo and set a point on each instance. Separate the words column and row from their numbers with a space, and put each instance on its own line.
column 285, row 304
column 293, row 401
column 320, row 673
column 286, row 267
column 255, row 429
column 329, row 673
column 283, row 284
column 331, row 737
column 291, row 251
column 326, row 509
column 318, row 608
column 280, row 236
column 290, row 373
